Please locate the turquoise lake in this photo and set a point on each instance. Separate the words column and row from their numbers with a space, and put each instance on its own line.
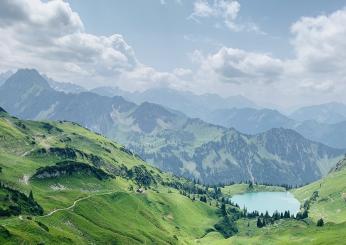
column 267, row 201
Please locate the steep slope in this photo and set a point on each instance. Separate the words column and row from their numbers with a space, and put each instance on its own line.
column 339, row 166
column 174, row 142
column 4, row 76
column 92, row 190
column 215, row 154
column 326, row 198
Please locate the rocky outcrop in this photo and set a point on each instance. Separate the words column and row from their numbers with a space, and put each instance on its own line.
column 68, row 168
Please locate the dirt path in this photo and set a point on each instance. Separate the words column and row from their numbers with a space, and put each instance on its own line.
column 77, row 201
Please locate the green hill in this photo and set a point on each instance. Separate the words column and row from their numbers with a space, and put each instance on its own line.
column 324, row 199
column 63, row 184
column 89, row 189
column 327, row 197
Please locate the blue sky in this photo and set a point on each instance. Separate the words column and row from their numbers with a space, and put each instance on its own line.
column 163, row 36
column 276, row 52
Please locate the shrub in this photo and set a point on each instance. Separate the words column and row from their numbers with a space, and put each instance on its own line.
column 43, row 226
column 320, row 222
column 226, row 227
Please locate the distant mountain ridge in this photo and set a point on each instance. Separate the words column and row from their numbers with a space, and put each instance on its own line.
column 243, row 115
column 173, row 141
column 193, row 105
column 254, row 121
column 4, row 76
column 64, row 86
column 330, row 113
column 249, row 120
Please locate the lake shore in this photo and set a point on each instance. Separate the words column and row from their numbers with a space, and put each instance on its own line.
column 244, row 188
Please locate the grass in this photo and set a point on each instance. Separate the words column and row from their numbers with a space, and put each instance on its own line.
column 127, row 218
column 284, row 232
column 109, row 210
column 331, row 203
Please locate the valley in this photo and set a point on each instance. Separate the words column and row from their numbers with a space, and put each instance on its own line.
column 171, row 122
column 173, row 142
column 93, row 190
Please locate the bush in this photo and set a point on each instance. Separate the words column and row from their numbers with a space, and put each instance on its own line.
column 141, row 176
column 43, row 226
column 226, row 227
column 17, row 203
column 320, row 222
column 4, row 232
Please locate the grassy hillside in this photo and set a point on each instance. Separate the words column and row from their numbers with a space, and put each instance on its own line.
column 285, row 232
column 329, row 204
column 63, row 184
column 93, row 199
column 330, row 200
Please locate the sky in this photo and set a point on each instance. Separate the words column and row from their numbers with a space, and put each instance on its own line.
column 278, row 53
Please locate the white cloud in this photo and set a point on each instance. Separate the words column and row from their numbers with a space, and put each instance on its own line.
column 50, row 36
column 316, row 72
column 201, row 8
column 229, row 11
column 320, row 54
column 182, row 72
column 320, row 44
column 238, row 66
column 225, row 10
column 144, row 77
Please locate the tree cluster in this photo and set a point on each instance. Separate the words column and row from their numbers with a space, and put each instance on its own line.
column 17, row 203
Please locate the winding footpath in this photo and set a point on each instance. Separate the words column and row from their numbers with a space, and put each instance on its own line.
column 77, row 201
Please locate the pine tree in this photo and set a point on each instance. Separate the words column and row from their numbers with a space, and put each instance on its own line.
column 320, row 222
column 305, row 214
column 31, row 196
column 223, row 209
column 259, row 223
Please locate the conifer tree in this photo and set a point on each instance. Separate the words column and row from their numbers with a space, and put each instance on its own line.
column 31, row 196
column 320, row 222
column 259, row 223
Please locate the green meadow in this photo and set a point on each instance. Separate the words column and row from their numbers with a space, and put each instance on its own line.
column 113, row 197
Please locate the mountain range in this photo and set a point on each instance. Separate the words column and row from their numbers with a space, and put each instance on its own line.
column 64, row 86
column 322, row 123
column 254, row 121
column 330, row 113
column 4, row 76
column 193, row 105
column 64, row 184
column 172, row 141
